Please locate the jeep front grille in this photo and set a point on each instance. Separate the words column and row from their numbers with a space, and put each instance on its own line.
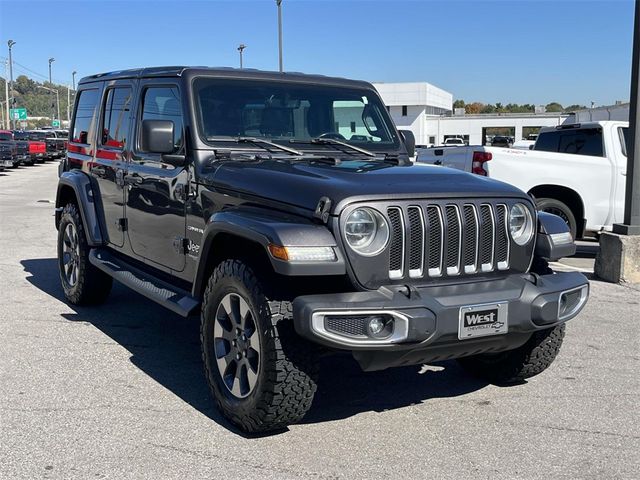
column 437, row 240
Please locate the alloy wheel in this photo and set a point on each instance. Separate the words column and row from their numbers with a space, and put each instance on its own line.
column 236, row 345
column 70, row 254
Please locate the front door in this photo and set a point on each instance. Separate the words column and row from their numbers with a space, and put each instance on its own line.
column 154, row 189
column 112, row 151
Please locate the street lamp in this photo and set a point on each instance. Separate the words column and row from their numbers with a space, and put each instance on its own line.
column 279, row 3
column 73, row 80
column 53, row 90
column 11, row 43
column 51, row 60
column 241, row 47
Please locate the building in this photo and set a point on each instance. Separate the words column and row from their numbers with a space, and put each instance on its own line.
column 412, row 104
column 427, row 111
column 619, row 111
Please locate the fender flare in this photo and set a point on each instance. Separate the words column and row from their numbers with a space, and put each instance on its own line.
column 265, row 227
column 80, row 183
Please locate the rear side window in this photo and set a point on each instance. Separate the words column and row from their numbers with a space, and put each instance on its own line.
column 84, row 121
column 163, row 103
column 116, row 117
column 585, row 141
column 625, row 140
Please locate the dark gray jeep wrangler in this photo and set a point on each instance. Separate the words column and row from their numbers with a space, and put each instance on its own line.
column 285, row 211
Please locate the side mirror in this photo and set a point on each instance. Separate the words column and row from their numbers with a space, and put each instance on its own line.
column 531, row 147
column 157, row 136
column 409, row 141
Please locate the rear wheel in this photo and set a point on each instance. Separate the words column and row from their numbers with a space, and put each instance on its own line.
column 81, row 281
column 261, row 373
column 556, row 207
column 524, row 362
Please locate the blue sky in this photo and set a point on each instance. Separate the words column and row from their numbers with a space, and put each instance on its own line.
column 490, row 51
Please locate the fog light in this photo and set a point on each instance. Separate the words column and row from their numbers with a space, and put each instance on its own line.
column 380, row 326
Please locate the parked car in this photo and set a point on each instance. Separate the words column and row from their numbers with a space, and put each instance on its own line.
column 17, row 148
column 500, row 141
column 8, row 151
column 37, row 150
column 576, row 171
column 240, row 202
column 454, row 142
column 523, row 145
column 51, row 143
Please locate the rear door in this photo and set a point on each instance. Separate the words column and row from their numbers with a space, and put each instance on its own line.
column 155, row 189
column 112, row 152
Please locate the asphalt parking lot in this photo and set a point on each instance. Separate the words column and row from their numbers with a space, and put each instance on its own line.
column 118, row 391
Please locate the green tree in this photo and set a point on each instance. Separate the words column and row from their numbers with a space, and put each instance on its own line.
column 554, row 107
column 458, row 104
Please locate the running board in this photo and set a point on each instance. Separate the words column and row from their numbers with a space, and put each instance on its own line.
column 174, row 298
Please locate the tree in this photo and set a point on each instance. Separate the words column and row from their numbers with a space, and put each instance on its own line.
column 554, row 107
column 475, row 107
column 488, row 109
column 573, row 108
column 458, row 104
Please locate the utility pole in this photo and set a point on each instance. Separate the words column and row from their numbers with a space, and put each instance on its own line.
column 68, row 105
column 11, row 43
column 241, row 47
column 279, row 3
column 6, row 94
column 73, row 80
column 53, row 113
column 631, row 225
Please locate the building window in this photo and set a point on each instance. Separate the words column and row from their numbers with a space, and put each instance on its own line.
column 432, row 140
column 404, row 110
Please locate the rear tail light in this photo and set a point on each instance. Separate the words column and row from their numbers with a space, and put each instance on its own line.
column 478, row 161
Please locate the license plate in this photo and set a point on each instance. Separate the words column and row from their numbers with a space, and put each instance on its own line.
column 483, row 320
column 6, row 163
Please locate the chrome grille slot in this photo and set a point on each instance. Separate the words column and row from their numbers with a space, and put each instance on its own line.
column 470, row 240
column 434, row 240
column 502, row 238
column 453, row 240
column 396, row 251
column 416, row 241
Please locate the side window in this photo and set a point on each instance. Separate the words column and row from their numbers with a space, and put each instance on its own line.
column 625, row 140
column 585, row 141
column 163, row 103
column 116, row 117
column 84, row 120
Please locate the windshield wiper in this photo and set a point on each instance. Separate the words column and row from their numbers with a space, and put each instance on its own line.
column 261, row 141
column 333, row 141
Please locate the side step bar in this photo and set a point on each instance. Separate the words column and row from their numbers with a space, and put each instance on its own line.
column 175, row 299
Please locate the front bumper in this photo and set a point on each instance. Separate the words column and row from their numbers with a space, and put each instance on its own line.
column 427, row 320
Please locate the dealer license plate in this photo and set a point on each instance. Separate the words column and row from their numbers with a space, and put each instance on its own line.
column 483, row 320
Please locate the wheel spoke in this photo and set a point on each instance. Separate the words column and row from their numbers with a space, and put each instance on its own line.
column 235, row 388
column 235, row 309
column 244, row 313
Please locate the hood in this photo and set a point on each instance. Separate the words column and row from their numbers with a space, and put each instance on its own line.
column 303, row 184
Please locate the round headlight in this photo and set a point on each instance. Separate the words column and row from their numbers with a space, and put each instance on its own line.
column 520, row 224
column 366, row 231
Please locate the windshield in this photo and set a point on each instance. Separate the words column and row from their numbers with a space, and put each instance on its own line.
column 5, row 137
column 37, row 135
column 21, row 135
column 284, row 112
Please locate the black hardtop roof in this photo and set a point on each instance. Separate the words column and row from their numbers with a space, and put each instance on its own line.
column 224, row 72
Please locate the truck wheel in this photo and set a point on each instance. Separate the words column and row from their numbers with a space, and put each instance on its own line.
column 556, row 207
column 261, row 373
column 513, row 366
column 83, row 283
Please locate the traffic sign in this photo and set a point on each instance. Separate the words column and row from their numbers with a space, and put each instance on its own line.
column 18, row 113
column 55, row 123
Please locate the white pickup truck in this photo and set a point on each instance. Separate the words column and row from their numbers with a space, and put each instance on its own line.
column 576, row 171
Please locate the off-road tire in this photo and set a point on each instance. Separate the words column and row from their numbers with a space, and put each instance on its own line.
column 287, row 371
column 556, row 207
column 93, row 285
column 524, row 362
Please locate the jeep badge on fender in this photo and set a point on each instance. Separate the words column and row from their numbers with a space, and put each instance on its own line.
column 284, row 210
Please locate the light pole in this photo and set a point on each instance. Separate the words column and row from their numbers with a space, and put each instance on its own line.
column 241, row 47
column 73, row 80
column 53, row 113
column 53, row 90
column 6, row 95
column 279, row 3
column 11, row 43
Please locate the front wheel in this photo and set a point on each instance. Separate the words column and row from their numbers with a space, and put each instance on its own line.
column 524, row 362
column 261, row 373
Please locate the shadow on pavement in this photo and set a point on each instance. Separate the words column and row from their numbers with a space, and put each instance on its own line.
column 166, row 347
